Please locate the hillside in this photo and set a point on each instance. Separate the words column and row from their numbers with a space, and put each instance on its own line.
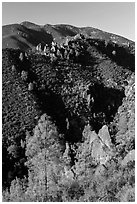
column 68, row 122
column 27, row 35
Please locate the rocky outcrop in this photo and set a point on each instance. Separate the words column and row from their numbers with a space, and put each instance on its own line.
column 130, row 87
column 102, row 146
column 125, row 120
column 99, row 146
column 130, row 157
column 105, row 136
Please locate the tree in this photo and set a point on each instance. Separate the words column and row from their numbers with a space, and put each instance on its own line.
column 44, row 161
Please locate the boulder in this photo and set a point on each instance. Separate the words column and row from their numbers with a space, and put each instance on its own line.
column 113, row 52
column 21, row 56
column 105, row 136
column 13, row 68
column 24, row 75
column 98, row 153
column 30, row 86
column 88, row 133
column 93, row 136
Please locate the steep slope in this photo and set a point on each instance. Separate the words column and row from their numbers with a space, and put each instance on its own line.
column 20, row 113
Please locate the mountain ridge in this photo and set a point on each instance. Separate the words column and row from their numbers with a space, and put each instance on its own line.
column 27, row 35
column 79, row 27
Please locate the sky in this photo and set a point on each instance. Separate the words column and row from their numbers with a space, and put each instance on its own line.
column 114, row 17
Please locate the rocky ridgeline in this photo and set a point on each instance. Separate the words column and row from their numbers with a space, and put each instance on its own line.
column 79, row 47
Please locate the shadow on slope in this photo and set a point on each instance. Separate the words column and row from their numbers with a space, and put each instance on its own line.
column 119, row 54
column 104, row 104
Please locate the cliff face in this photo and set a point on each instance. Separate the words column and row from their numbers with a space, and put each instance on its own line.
column 68, row 123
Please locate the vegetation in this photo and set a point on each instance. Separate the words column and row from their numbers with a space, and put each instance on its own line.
column 68, row 125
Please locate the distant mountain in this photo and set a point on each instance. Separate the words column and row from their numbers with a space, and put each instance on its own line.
column 27, row 35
